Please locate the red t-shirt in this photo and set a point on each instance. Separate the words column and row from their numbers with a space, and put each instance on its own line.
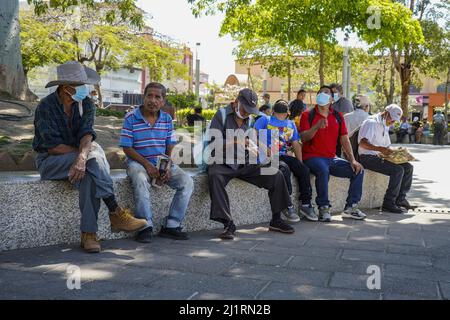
column 323, row 144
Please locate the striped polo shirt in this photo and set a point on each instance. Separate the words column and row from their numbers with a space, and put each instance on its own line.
column 149, row 141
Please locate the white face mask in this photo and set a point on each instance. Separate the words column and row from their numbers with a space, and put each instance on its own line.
column 238, row 113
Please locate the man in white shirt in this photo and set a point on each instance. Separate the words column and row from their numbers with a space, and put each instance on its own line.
column 354, row 119
column 374, row 139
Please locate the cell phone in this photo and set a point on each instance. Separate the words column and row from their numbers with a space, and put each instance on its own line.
column 163, row 164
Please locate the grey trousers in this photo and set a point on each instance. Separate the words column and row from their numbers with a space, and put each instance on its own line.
column 96, row 184
column 219, row 175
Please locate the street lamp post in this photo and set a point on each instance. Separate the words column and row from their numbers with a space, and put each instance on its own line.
column 345, row 67
column 197, row 71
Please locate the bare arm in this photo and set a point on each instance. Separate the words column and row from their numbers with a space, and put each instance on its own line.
column 367, row 145
column 134, row 155
column 345, row 142
column 78, row 170
column 85, row 145
column 307, row 135
column 62, row 149
column 297, row 150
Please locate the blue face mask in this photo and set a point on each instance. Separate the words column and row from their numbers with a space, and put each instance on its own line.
column 336, row 97
column 323, row 99
column 81, row 93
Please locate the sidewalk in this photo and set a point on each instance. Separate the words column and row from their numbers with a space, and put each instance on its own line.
column 319, row 261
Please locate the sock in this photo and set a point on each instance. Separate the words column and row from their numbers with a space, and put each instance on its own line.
column 111, row 203
column 276, row 216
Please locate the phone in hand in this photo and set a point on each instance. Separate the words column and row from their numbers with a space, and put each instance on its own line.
column 162, row 165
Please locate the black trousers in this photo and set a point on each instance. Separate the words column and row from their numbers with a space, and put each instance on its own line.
column 290, row 164
column 401, row 135
column 439, row 132
column 400, row 177
column 219, row 175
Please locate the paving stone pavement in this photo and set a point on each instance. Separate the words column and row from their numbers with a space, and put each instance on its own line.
column 318, row 261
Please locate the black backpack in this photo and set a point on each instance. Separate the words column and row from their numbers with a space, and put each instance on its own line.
column 354, row 143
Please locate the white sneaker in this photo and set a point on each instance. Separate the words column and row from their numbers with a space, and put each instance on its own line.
column 353, row 213
column 290, row 215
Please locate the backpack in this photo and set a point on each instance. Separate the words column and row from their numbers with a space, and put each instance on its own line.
column 200, row 159
column 355, row 144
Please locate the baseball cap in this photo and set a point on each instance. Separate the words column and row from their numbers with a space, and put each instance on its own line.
column 249, row 100
column 394, row 111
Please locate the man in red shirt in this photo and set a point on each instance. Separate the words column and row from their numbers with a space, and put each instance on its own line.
column 320, row 129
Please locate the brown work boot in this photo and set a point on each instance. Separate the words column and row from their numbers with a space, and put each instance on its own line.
column 123, row 220
column 89, row 242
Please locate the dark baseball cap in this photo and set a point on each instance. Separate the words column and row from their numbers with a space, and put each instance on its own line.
column 249, row 100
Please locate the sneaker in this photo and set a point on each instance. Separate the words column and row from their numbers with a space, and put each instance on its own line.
column 353, row 213
column 173, row 233
column 393, row 208
column 123, row 220
column 291, row 215
column 229, row 232
column 280, row 226
column 309, row 213
column 89, row 242
column 324, row 214
column 405, row 204
column 145, row 236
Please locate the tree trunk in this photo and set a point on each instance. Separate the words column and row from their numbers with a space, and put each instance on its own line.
column 99, row 68
column 289, row 76
column 321, row 64
column 99, row 94
column 12, row 78
column 405, row 79
column 390, row 98
column 446, row 94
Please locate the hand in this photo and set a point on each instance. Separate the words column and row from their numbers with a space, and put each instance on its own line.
column 357, row 167
column 321, row 124
column 386, row 151
column 78, row 169
column 152, row 171
column 166, row 176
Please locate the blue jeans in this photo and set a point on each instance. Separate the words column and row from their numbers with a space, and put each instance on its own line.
column 322, row 168
column 96, row 184
column 179, row 181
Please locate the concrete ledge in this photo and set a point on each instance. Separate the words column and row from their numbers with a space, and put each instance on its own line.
column 37, row 213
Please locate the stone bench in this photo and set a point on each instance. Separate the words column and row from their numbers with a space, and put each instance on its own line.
column 37, row 213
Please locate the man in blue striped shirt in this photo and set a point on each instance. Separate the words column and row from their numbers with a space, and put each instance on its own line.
column 147, row 134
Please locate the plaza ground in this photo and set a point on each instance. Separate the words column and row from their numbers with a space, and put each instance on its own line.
column 319, row 261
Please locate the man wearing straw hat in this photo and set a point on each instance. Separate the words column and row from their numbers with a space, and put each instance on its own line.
column 64, row 136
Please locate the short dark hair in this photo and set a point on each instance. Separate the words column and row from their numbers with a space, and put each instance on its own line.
column 301, row 91
column 281, row 106
column 266, row 95
column 324, row 87
column 156, row 85
column 198, row 109
column 337, row 86
column 264, row 108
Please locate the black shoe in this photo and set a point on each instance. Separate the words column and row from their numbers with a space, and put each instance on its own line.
column 145, row 235
column 173, row 233
column 280, row 226
column 405, row 204
column 393, row 208
column 229, row 232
